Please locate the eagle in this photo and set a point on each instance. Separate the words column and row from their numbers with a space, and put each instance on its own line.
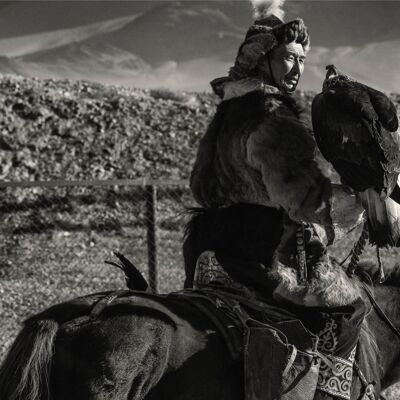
column 355, row 128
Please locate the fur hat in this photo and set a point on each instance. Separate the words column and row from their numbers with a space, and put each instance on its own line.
column 268, row 31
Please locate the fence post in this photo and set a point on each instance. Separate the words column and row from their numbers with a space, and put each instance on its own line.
column 151, row 220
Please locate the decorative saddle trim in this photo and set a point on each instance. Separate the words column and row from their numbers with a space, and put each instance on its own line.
column 335, row 374
column 209, row 270
column 336, row 377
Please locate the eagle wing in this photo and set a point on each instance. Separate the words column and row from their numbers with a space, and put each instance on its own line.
column 345, row 140
column 378, row 113
column 386, row 135
column 351, row 127
column 385, row 109
column 384, row 130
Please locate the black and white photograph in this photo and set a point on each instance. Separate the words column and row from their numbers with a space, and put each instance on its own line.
column 199, row 200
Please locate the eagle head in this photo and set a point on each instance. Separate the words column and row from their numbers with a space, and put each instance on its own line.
column 334, row 78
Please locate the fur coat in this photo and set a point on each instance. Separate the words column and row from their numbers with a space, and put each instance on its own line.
column 259, row 148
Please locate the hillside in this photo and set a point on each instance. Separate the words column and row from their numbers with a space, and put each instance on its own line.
column 80, row 130
column 83, row 130
column 184, row 44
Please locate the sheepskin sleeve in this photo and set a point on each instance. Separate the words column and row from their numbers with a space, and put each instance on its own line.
column 282, row 148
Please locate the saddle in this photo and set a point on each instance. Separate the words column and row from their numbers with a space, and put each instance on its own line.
column 288, row 352
column 292, row 352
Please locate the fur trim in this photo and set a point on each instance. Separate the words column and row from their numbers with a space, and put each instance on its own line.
column 265, row 8
column 241, row 87
column 330, row 286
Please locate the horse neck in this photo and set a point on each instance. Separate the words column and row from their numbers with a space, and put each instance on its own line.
column 388, row 344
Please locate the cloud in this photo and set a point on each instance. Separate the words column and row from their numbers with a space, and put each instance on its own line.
column 193, row 75
column 374, row 64
column 22, row 45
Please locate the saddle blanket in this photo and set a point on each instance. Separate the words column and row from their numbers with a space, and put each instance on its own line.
column 312, row 346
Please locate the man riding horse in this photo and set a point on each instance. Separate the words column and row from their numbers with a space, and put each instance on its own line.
column 265, row 190
column 270, row 209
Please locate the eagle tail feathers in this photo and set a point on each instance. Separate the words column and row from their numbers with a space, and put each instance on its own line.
column 395, row 195
column 383, row 219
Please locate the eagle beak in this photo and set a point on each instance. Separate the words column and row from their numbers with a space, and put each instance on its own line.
column 332, row 72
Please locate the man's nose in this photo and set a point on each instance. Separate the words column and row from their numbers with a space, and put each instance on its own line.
column 296, row 67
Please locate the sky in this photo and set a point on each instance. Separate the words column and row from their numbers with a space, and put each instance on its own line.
column 184, row 45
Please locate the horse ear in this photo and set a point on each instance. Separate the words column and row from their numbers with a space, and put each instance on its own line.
column 393, row 276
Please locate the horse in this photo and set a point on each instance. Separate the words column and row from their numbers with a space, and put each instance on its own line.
column 141, row 347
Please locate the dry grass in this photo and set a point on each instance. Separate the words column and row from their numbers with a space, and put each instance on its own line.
column 47, row 268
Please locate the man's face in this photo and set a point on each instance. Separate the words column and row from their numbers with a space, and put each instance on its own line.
column 287, row 64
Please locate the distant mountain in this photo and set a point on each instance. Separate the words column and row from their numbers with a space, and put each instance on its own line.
column 183, row 45
column 171, row 31
column 38, row 42
column 332, row 23
column 21, row 18
column 181, row 32
column 176, row 44
column 108, row 65
column 347, row 23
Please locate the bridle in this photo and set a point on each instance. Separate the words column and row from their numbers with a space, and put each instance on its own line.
column 368, row 387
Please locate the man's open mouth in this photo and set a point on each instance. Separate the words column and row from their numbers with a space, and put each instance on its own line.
column 293, row 80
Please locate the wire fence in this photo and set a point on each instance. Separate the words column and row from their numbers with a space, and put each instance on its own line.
column 51, row 225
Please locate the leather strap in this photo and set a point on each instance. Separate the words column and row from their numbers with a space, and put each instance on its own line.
column 301, row 255
column 368, row 392
column 96, row 310
column 379, row 311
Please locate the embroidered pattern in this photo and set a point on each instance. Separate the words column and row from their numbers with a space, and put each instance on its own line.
column 335, row 374
column 336, row 377
column 209, row 270
column 328, row 337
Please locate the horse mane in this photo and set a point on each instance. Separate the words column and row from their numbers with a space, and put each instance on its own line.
column 194, row 213
column 393, row 276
